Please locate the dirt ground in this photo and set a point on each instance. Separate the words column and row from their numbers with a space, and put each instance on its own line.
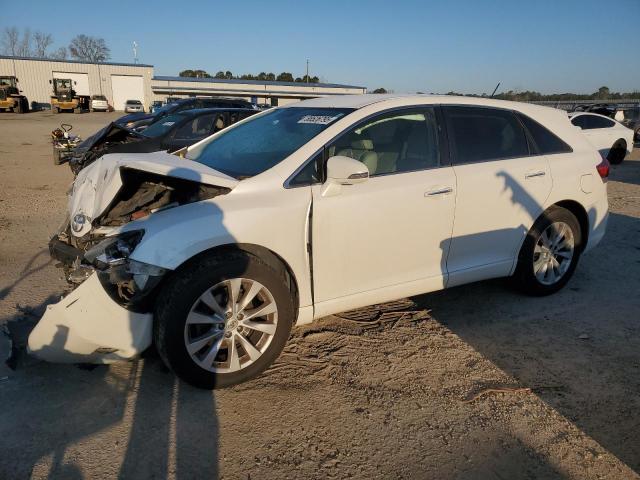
column 380, row 393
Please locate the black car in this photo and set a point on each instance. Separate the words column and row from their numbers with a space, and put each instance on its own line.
column 139, row 121
column 169, row 133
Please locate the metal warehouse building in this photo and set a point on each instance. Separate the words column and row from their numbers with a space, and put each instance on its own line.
column 274, row 93
column 116, row 81
column 123, row 81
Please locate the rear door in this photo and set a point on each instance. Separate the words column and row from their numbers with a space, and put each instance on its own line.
column 501, row 191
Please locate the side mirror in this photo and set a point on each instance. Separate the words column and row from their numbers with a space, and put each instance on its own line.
column 17, row 81
column 346, row 170
column 50, row 82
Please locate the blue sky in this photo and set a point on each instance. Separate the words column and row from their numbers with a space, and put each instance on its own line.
column 406, row 46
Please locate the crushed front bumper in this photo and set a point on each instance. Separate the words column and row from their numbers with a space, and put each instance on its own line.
column 87, row 326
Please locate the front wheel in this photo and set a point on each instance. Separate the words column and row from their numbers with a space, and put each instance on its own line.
column 223, row 319
column 550, row 253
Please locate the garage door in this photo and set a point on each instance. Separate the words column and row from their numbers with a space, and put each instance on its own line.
column 126, row 87
column 81, row 85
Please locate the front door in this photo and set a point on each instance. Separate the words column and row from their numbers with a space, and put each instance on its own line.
column 387, row 237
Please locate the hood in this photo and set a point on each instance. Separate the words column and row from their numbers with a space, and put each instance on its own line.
column 112, row 132
column 96, row 187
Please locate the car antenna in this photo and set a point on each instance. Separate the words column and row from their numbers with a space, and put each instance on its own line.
column 495, row 90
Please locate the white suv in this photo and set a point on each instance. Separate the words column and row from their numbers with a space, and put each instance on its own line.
column 311, row 209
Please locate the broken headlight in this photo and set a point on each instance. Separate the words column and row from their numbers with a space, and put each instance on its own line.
column 129, row 282
column 114, row 250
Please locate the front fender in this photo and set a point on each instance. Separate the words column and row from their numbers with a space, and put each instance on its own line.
column 277, row 221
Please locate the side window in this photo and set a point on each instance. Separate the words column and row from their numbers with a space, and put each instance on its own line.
column 599, row 122
column 480, row 134
column 309, row 173
column 580, row 121
column 393, row 142
column 545, row 141
column 198, row 127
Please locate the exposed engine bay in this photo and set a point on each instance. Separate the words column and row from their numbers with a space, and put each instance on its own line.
column 105, row 250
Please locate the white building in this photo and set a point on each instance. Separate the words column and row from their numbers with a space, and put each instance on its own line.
column 123, row 81
column 116, row 81
column 273, row 93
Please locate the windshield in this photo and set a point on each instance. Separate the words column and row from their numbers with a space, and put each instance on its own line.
column 164, row 109
column 264, row 141
column 162, row 126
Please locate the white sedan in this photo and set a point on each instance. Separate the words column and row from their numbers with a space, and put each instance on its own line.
column 612, row 139
column 311, row 209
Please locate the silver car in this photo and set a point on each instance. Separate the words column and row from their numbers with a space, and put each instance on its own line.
column 131, row 106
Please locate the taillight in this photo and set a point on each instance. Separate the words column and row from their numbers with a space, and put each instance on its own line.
column 603, row 167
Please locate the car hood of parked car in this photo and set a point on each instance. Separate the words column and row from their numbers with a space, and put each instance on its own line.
column 143, row 180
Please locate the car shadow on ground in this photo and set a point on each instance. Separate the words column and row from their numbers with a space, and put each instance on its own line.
column 582, row 343
column 168, row 427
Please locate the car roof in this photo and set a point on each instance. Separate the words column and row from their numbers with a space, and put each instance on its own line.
column 224, row 99
column 360, row 101
column 202, row 111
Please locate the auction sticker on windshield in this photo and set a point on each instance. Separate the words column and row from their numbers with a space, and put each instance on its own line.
column 319, row 119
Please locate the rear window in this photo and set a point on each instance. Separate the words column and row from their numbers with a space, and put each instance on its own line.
column 479, row 134
column 545, row 141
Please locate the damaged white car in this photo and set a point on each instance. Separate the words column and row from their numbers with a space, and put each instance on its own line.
column 311, row 209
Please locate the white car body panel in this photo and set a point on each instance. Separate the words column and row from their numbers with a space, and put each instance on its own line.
column 86, row 320
column 397, row 243
column 604, row 138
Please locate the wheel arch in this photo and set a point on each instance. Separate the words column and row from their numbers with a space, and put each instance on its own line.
column 581, row 215
column 268, row 256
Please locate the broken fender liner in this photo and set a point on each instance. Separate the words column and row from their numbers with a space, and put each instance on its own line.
column 87, row 326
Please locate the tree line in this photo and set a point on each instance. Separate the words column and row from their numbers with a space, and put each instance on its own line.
column 603, row 93
column 262, row 76
column 38, row 45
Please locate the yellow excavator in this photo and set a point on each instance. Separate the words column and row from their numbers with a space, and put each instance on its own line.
column 65, row 97
column 10, row 97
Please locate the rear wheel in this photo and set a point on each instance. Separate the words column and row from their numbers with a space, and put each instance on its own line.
column 223, row 320
column 550, row 253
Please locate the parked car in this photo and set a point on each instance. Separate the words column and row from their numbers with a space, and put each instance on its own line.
column 631, row 119
column 99, row 103
column 139, row 121
column 133, row 106
column 311, row 209
column 613, row 140
column 171, row 133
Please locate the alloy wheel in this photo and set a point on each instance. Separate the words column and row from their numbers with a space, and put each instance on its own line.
column 231, row 325
column 553, row 253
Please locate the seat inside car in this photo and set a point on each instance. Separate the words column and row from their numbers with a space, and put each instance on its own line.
column 362, row 150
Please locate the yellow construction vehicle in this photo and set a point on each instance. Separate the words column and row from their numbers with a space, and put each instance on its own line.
column 10, row 97
column 65, row 97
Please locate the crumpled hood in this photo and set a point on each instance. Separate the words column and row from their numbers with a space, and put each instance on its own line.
column 96, row 185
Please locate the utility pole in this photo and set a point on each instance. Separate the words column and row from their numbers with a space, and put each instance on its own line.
column 307, row 77
column 135, row 52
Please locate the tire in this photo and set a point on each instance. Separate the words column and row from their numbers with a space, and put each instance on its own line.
column 532, row 254
column 617, row 153
column 18, row 107
column 181, row 298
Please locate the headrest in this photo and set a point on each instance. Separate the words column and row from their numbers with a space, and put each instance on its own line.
column 362, row 144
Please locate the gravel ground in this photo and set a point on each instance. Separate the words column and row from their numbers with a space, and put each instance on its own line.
column 381, row 392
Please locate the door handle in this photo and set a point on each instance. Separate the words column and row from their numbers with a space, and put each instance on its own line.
column 438, row 191
column 540, row 173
